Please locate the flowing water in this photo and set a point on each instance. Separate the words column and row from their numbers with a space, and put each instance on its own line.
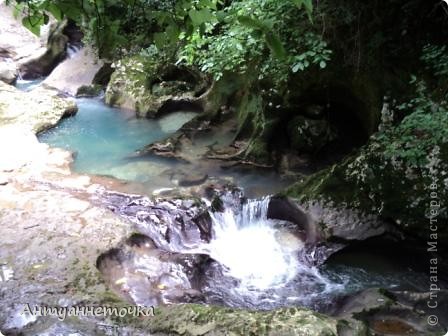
column 258, row 266
column 254, row 260
column 28, row 84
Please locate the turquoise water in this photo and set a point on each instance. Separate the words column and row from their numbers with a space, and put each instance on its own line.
column 28, row 85
column 103, row 139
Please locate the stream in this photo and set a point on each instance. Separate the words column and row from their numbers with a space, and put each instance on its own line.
column 249, row 261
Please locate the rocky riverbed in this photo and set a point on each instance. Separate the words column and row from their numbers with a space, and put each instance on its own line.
column 55, row 224
column 73, row 239
column 52, row 234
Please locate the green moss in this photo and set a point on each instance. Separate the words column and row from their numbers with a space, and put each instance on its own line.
column 89, row 90
column 392, row 175
column 258, row 151
column 211, row 320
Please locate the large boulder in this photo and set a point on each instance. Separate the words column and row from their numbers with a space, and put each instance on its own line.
column 209, row 320
column 75, row 73
column 8, row 72
column 150, row 87
column 34, row 56
column 42, row 63
column 17, row 42
column 401, row 176
column 37, row 111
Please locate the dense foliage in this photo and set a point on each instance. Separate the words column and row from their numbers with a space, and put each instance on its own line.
column 262, row 37
column 283, row 55
column 404, row 166
column 112, row 25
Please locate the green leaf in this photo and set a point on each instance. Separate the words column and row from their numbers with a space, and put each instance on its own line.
column 160, row 40
column 221, row 15
column 55, row 11
column 207, row 3
column 322, row 64
column 17, row 10
column 298, row 3
column 296, row 67
column 199, row 17
column 33, row 23
column 308, row 6
column 173, row 32
column 276, row 46
column 70, row 10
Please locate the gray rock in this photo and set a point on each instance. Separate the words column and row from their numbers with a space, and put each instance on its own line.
column 8, row 71
column 136, row 85
column 394, row 313
column 17, row 42
column 37, row 110
column 76, row 72
column 41, row 64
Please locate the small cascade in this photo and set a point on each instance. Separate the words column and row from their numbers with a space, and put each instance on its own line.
column 246, row 243
column 257, row 261
column 19, row 75
column 73, row 49
column 247, row 260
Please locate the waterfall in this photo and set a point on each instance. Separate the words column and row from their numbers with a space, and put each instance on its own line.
column 255, row 262
column 72, row 49
column 248, row 245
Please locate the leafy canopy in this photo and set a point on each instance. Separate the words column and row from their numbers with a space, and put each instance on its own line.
column 114, row 24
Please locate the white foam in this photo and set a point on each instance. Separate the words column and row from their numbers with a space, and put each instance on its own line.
column 247, row 244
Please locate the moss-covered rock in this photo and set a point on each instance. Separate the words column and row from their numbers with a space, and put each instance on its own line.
column 400, row 175
column 150, row 86
column 210, row 320
column 89, row 90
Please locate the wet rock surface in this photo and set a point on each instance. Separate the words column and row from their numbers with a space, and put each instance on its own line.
column 8, row 72
column 173, row 224
column 17, row 42
column 51, row 237
column 150, row 276
column 394, row 313
column 42, row 63
column 33, row 56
